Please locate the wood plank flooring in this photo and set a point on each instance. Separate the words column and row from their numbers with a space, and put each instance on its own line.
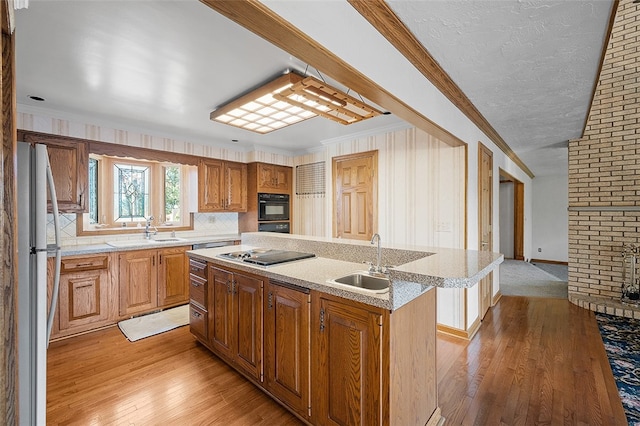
column 533, row 361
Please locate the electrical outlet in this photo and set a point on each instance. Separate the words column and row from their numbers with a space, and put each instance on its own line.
column 539, row 250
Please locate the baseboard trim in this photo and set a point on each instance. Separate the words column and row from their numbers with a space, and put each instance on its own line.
column 456, row 332
column 496, row 298
column 554, row 262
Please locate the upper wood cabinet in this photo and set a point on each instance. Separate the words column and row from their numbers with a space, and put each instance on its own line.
column 222, row 186
column 274, row 178
column 69, row 160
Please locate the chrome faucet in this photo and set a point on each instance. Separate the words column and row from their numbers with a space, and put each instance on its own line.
column 378, row 268
column 147, row 233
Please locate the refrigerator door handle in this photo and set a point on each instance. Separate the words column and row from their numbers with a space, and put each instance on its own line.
column 56, row 274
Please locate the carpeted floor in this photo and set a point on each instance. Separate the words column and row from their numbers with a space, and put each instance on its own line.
column 518, row 278
column 620, row 337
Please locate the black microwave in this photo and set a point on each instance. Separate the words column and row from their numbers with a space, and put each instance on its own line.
column 273, row 207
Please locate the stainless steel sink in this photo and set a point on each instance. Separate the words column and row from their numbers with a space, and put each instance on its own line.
column 363, row 280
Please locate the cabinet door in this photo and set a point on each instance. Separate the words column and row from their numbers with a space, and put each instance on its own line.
column 69, row 165
column 248, row 322
column 266, row 177
column 210, row 185
column 283, row 178
column 84, row 298
column 138, row 281
column 220, row 310
column 236, row 187
column 347, row 361
column 173, row 275
column 287, row 352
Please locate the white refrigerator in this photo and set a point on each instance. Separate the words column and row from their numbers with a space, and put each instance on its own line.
column 35, row 318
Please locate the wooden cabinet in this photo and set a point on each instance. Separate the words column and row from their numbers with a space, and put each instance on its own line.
column 222, row 186
column 150, row 279
column 287, row 352
column 347, row 362
column 69, row 160
column 84, row 300
column 198, row 289
column 273, row 178
column 235, row 318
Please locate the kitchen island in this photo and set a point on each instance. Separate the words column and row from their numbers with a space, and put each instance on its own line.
column 331, row 354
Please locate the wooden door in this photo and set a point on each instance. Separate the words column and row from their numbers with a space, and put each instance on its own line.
column 138, row 281
column 247, row 335
column 485, row 212
column 286, row 338
column 173, row 275
column 347, row 360
column 356, row 192
column 236, row 187
column 210, row 185
column 220, row 310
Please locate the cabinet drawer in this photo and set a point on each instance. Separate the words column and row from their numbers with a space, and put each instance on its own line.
column 198, row 290
column 197, row 321
column 198, row 268
column 84, row 264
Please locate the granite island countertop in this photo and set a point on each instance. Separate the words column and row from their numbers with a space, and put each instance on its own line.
column 415, row 270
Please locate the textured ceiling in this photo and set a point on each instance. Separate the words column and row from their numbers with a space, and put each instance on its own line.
column 528, row 66
column 163, row 66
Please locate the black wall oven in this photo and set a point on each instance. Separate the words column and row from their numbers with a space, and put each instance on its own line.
column 273, row 207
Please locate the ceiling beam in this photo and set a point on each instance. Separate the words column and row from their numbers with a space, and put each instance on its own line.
column 383, row 19
column 262, row 21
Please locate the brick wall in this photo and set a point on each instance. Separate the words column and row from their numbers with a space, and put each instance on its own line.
column 604, row 178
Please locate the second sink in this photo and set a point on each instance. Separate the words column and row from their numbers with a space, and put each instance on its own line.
column 365, row 281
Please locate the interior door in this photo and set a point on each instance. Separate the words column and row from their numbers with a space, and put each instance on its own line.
column 485, row 197
column 356, row 192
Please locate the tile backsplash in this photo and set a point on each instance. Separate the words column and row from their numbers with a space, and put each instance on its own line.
column 204, row 224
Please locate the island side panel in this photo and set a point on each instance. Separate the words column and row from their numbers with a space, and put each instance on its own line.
column 412, row 363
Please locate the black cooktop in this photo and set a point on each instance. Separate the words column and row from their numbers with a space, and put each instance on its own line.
column 267, row 257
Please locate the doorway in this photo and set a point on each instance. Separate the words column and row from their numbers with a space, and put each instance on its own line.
column 355, row 188
column 511, row 216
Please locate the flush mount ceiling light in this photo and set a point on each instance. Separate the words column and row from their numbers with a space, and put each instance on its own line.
column 289, row 99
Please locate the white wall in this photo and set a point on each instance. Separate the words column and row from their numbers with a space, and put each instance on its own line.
column 550, row 218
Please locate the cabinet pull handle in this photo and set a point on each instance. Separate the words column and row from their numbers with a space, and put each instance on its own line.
column 84, row 264
column 160, row 260
column 228, row 286
column 196, row 314
column 322, row 319
column 270, row 300
column 153, row 261
column 84, row 286
column 195, row 283
column 80, row 199
column 233, row 287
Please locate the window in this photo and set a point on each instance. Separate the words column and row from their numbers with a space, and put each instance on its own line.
column 125, row 192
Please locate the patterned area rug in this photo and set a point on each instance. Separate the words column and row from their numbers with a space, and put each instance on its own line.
column 620, row 337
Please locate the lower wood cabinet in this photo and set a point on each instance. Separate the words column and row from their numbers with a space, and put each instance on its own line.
column 286, row 351
column 84, row 295
column 329, row 360
column 235, row 318
column 347, row 362
column 151, row 279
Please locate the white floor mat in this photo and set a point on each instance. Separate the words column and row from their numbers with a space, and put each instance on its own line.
column 151, row 324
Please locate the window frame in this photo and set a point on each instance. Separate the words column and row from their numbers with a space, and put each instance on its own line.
column 106, row 185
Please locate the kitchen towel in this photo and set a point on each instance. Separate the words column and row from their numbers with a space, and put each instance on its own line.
column 156, row 323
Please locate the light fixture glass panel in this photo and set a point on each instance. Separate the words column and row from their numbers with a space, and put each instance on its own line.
column 237, row 112
column 251, row 106
column 281, row 105
column 307, row 114
column 280, row 115
column 292, row 119
column 264, row 121
column 294, row 110
column 252, row 117
column 266, row 100
column 224, row 118
column 264, row 129
column 239, row 122
column 251, row 126
column 266, row 111
column 278, row 124
column 323, row 108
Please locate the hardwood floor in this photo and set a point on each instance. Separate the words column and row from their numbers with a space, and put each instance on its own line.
column 533, row 361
